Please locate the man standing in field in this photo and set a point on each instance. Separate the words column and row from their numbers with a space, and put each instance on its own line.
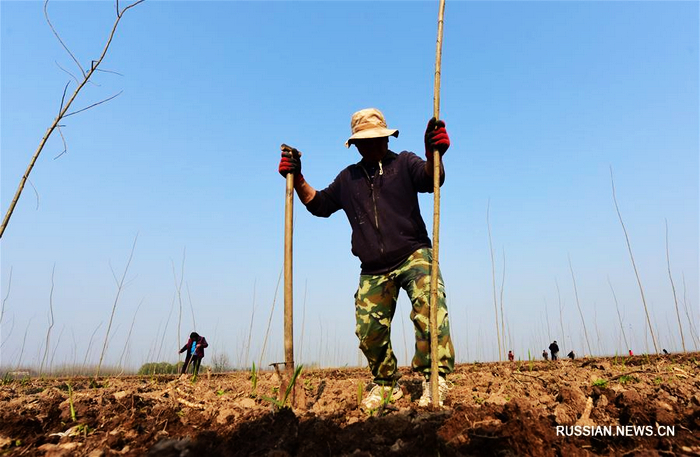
column 554, row 349
column 379, row 196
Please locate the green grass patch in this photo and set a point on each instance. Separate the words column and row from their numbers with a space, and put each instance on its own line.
column 283, row 402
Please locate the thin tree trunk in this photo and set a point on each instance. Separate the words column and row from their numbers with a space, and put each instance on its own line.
column 693, row 331
column 561, row 318
column 51, row 322
column 120, row 287
column 178, row 291
column 87, row 351
column 128, row 336
column 189, row 298
column 503, row 325
column 673, row 287
column 619, row 318
column 62, row 113
column 250, row 329
column 303, row 324
column 634, row 265
column 269, row 321
column 493, row 281
column 546, row 315
column 578, row 305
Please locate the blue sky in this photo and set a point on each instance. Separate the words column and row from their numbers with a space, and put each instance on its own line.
column 541, row 100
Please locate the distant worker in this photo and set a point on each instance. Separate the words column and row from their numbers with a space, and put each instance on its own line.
column 544, row 354
column 631, row 354
column 379, row 196
column 511, row 357
column 571, row 355
column 195, row 352
column 554, row 349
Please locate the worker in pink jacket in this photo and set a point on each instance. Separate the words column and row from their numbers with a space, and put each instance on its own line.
column 195, row 352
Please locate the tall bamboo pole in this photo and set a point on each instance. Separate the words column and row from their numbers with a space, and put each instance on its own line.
column 434, row 270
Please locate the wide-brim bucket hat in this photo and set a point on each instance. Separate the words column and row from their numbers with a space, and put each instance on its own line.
column 369, row 123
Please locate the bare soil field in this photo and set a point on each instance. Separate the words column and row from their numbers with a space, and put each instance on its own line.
column 642, row 405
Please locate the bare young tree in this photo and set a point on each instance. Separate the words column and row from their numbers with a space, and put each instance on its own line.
column 561, row 311
column 7, row 295
column 189, row 298
column 619, row 318
column 24, row 342
column 493, row 281
column 2, row 311
column 269, row 321
column 634, row 265
column 673, row 287
column 63, row 111
column 51, row 323
column 120, row 288
column 89, row 347
column 503, row 325
column 693, row 332
column 178, row 292
column 250, row 329
column 128, row 336
column 578, row 305
column 546, row 315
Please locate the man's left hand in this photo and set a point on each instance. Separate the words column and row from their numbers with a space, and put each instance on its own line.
column 436, row 138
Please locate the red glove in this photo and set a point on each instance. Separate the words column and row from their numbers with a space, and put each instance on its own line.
column 436, row 138
column 291, row 163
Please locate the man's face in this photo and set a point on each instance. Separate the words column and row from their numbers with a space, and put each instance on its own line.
column 373, row 149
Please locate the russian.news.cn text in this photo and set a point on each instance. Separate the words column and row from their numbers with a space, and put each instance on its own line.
column 616, row 430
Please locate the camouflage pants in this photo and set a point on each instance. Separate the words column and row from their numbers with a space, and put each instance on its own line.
column 375, row 304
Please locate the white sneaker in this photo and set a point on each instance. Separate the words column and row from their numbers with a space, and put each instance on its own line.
column 381, row 395
column 443, row 388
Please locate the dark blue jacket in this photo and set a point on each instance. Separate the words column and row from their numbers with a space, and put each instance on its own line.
column 381, row 204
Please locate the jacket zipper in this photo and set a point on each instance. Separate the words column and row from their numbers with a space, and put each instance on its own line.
column 374, row 206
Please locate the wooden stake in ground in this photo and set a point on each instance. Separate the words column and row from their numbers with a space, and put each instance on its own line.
column 288, row 270
column 434, row 269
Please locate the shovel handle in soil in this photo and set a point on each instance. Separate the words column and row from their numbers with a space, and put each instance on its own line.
column 288, row 271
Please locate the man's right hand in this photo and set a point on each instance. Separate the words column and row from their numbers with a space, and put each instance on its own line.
column 290, row 164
